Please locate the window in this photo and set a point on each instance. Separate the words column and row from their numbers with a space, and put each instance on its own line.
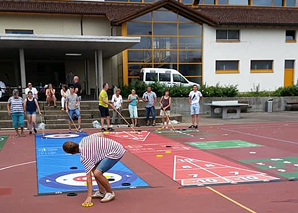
column 290, row 36
column 238, row 2
column 227, row 66
column 230, row 35
column 289, row 64
column 277, row 3
column 179, row 79
column 152, row 76
column 12, row 31
column 261, row 66
column 224, row 2
column 262, row 2
column 164, row 76
column 290, row 3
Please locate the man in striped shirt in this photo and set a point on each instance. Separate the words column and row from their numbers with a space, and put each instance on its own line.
column 98, row 155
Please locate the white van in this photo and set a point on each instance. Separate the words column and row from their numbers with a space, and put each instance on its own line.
column 167, row 77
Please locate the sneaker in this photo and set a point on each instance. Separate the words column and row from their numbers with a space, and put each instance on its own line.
column 103, row 129
column 191, row 126
column 110, row 129
column 129, row 125
column 147, row 124
column 35, row 131
column 153, row 124
column 108, row 197
column 80, row 129
column 196, row 126
column 98, row 194
column 138, row 125
column 30, row 133
column 69, row 131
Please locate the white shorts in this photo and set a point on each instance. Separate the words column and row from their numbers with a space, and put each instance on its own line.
column 162, row 113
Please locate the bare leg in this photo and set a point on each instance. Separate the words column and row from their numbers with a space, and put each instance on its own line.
column 100, row 186
column 163, row 121
column 22, row 131
column 132, row 121
column 108, row 121
column 79, row 122
column 54, row 99
column 29, row 122
column 168, row 119
column 34, row 121
column 49, row 101
column 193, row 119
column 17, row 131
column 197, row 119
column 102, row 121
column 136, row 121
column 102, row 180
column 69, row 124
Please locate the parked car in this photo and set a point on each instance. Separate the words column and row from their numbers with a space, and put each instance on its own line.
column 169, row 77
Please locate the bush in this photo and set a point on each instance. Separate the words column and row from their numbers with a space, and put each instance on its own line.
column 219, row 91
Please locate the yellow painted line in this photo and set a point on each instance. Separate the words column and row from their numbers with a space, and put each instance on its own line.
column 230, row 199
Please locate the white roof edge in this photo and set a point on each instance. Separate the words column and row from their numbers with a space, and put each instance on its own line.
column 74, row 38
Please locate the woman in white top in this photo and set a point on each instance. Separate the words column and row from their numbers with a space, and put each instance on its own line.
column 117, row 102
column 64, row 93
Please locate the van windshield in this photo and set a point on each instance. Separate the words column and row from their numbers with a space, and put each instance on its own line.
column 151, row 77
column 179, row 79
column 165, row 77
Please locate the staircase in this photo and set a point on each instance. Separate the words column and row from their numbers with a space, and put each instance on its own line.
column 54, row 118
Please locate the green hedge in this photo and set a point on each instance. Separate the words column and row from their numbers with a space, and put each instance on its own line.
column 208, row 91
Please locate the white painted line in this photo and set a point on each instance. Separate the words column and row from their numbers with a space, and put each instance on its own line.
column 16, row 165
column 174, row 175
column 260, row 136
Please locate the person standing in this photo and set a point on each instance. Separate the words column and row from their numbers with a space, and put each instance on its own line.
column 50, row 93
column 104, row 107
column 150, row 98
column 98, row 155
column 165, row 105
column 64, row 93
column 133, row 100
column 72, row 107
column 69, row 79
column 33, row 90
column 194, row 100
column 77, row 87
column 31, row 104
column 15, row 109
column 2, row 89
column 118, row 104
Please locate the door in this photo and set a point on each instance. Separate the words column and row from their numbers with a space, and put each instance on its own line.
column 289, row 73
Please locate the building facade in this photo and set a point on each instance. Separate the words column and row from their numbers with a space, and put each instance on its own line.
column 249, row 43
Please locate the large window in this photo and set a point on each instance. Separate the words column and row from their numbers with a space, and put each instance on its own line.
column 227, row 35
column 259, row 66
column 227, row 66
column 168, row 40
column 290, row 35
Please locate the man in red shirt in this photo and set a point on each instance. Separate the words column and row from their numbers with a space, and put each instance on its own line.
column 98, row 155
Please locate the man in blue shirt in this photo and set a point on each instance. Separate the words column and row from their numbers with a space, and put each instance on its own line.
column 150, row 99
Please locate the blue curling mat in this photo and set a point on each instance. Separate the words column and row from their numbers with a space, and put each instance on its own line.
column 59, row 172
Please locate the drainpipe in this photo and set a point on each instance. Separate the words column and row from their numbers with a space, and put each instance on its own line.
column 82, row 28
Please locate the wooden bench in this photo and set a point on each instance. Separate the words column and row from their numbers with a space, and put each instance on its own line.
column 225, row 108
column 291, row 106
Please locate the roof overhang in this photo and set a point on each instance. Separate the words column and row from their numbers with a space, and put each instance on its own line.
column 109, row 45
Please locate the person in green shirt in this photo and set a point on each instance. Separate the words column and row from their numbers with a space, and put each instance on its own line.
column 104, row 107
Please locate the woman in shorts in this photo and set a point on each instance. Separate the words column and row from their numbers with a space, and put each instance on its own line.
column 15, row 109
column 133, row 100
column 64, row 93
column 31, row 104
column 165, row 104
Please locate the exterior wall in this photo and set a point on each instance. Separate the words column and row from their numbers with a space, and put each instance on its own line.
column 56, row 24
column 255, row 44
column 96, row 26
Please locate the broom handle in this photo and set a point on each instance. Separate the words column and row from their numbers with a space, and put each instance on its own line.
column 123, row 118
column 72, row 122
column 169, row 119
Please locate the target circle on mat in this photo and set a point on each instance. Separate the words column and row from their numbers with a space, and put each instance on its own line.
column 58, row 136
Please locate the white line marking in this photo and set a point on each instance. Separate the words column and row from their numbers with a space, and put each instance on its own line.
column 146, row 136
column 16, row 165
column 260, row 136
column 174, row 175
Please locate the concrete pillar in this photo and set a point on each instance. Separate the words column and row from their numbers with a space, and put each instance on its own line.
column 23, row 71
column 98, row 72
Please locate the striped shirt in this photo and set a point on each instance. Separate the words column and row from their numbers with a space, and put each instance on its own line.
column 16, row 104
column 93, row 149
